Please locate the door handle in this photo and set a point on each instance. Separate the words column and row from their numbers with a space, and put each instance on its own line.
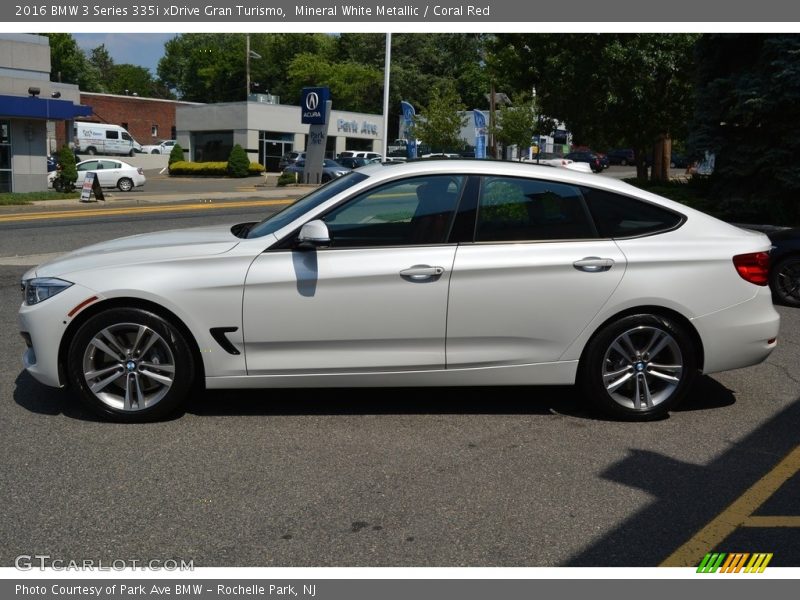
column 421, row 273
column 593, row 264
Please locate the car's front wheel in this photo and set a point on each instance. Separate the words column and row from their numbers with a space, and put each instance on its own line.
column 125, row 184
column 785, row 281
column 639, row 368
column 130, row 365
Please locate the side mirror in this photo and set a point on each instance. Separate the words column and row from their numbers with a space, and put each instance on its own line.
column 313, row 235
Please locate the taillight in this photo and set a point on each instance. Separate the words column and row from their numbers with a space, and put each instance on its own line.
column 753, row 267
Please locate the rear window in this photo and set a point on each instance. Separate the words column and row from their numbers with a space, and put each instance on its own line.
column 619, row 216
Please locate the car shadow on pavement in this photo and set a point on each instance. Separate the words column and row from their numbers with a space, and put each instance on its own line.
column 497, row 400
column 686, row 496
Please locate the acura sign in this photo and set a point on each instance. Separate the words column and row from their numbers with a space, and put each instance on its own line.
column 313, row 105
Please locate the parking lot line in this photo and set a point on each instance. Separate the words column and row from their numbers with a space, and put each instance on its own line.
column 739, row 514
column 105, row 212
column 772, row 521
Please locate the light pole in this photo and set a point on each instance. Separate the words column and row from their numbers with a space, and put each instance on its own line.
column 249, row 54
column 386, row 77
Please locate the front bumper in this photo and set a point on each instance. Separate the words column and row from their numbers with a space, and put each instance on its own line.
column 45, row 324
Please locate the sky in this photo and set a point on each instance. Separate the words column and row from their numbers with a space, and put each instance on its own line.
column 143, row 49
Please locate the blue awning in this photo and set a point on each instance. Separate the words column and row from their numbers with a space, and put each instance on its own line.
column 34, row 107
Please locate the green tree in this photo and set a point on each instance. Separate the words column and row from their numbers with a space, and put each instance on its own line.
column 440, row 123
column 748, row 113
column 517, row 124
column 68, row 63
column 609, row 89
column 353, row 86
column 238, row 163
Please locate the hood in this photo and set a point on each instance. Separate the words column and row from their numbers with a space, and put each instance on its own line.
column 143, row 248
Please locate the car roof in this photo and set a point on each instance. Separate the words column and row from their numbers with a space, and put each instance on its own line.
column 464, row 166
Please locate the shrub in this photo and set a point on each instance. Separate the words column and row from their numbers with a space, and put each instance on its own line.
column 287, row 178
column 176, row 155
column 67, row 173
column 208, row 169
column 238, row 163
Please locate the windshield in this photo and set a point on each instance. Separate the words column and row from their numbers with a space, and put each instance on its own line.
column 305, row 204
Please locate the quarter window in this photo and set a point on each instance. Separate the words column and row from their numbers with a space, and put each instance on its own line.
column 621, row 216
column 514, row 209
column 412, row 211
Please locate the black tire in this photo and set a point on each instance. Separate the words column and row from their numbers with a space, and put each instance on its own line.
column 125, row 184
column 155, row 152
column 58, row 185
column 603, row 365
column 325, row 178
column 91, row 151
column 623, row 162
column 132, row 152
column 784, row 280
column 130, row 386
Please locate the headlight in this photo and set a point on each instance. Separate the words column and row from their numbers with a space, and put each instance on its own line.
column 41, row 288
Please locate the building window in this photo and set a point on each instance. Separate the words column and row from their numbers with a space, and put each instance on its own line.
column 5, row 156
column 154, row 131
column 209, row 146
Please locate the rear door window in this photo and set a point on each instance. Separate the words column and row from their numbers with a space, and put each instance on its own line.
column 517, row 209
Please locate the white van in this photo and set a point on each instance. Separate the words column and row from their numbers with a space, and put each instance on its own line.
column 101, row 138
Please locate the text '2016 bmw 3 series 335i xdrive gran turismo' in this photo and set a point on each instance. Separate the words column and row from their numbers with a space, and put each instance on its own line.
column 433, row 273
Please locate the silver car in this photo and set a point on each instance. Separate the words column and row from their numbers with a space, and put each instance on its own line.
column 433, row 273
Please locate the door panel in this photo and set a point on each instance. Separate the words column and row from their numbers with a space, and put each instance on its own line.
column 346, row 310
column 526, row 302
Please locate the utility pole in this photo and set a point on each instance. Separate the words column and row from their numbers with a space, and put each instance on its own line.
column 247, row 68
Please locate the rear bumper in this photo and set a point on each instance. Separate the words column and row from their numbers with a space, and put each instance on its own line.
column 739, row 336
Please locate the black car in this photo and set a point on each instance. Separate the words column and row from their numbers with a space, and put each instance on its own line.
column 587, row 157
column 784, row 275
column 621, row 156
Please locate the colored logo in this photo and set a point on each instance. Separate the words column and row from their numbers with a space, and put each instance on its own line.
column 735, row 562
column 313, row 105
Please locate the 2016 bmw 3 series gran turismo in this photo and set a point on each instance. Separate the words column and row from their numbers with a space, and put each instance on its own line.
column 434, row 273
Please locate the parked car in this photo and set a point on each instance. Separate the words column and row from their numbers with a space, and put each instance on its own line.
column 428, row 273
column 621, row 156
column 352, row 162
column 360, row 154
column 111, row 173
column 330, row 169
column 784, row 277
column 290, row 158
column 164, row 147
column 103, row 138
column 586, row 157
column 552, row 159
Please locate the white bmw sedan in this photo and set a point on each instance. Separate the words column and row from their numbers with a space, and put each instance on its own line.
column 433, row 273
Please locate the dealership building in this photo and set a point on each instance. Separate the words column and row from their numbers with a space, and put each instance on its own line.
column 267, row 130
column 32, row 110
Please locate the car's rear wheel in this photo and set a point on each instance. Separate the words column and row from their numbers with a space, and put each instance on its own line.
column 156, row 152
column 130, row 365
column 91, row 151
column 325, row 178
column 125, row 184
column 639, row 368
column 785, row 281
